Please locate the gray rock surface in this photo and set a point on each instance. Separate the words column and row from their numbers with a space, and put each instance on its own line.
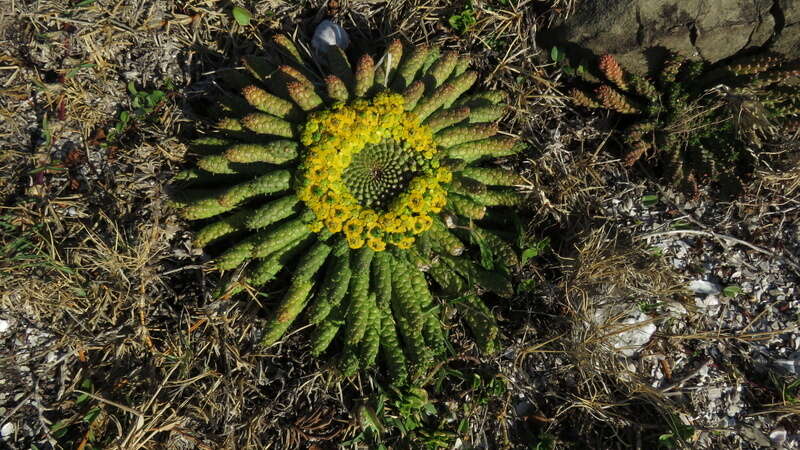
column 788, row 18
column 707, row 29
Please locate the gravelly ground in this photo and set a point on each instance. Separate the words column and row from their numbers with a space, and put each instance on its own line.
column 609, row 349
column 730, row 342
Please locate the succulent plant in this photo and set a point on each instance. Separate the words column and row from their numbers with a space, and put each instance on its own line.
column 363, row 186
column 703, row 120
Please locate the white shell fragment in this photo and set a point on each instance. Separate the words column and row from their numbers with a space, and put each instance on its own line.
column 791, row 366
column 778, row 437
column 631, row 341
column 327, row 34
column 7, row 430
column 703, row 287
column 629, row 333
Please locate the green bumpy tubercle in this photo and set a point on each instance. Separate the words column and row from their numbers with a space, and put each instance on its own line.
column 391, row 352
column 334, row 286
column 221, row 228
column 493, row 147
column 493, row 176
column 291, row 305
column 277, row 181
column 466, row 207
column 359, row 307
column 408, row 315
column 480, row 320
column 275, row 152
column 268, row 103
column 326, row 330
column 407, row 71
column 271, row 241
column 272, row 212
column 368, row 347
column 461, row 134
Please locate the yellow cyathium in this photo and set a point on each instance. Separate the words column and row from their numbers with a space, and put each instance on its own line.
column 334, row 138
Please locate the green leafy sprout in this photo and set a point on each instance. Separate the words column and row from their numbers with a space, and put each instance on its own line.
column 463, row 20
column 144, row 105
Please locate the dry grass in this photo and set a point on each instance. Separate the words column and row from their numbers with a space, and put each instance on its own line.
column 596, row 396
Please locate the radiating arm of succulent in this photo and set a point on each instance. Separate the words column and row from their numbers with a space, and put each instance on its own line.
column 768, row 84
column 639, row 140
column 609, row 66
column 584, row 99
column 616, row 101
column 624, row 93
column 350, row 181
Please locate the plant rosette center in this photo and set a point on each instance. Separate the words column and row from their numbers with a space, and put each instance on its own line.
column 371, row 172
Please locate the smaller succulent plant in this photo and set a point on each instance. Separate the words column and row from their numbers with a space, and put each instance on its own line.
column 703, row 121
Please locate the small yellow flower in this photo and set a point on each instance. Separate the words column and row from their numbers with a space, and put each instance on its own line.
column 315, row 172
column 368, row 215
column 376, row 244
column 339, row 212
column 333, row 226
column 354, row 226
column 444, row 176
column 355, row 242
column 438, row 202
column 374, row 230
column 416, row 202
column 405, row 243
column 421, row 224
column 398, row 226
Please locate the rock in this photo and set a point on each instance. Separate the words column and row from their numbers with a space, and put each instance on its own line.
column 637, row 31
column 754, row 435
column 791, row 366
column 706, row 302
column 675, row 309
column 787, row 13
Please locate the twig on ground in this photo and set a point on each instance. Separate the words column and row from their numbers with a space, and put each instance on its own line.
column 723, row 237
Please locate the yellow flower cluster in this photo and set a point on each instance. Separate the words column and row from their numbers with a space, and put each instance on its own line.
column 333, row 137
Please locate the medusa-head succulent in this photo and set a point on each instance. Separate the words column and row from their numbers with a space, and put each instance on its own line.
column 362, row 185
column 703, row 120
